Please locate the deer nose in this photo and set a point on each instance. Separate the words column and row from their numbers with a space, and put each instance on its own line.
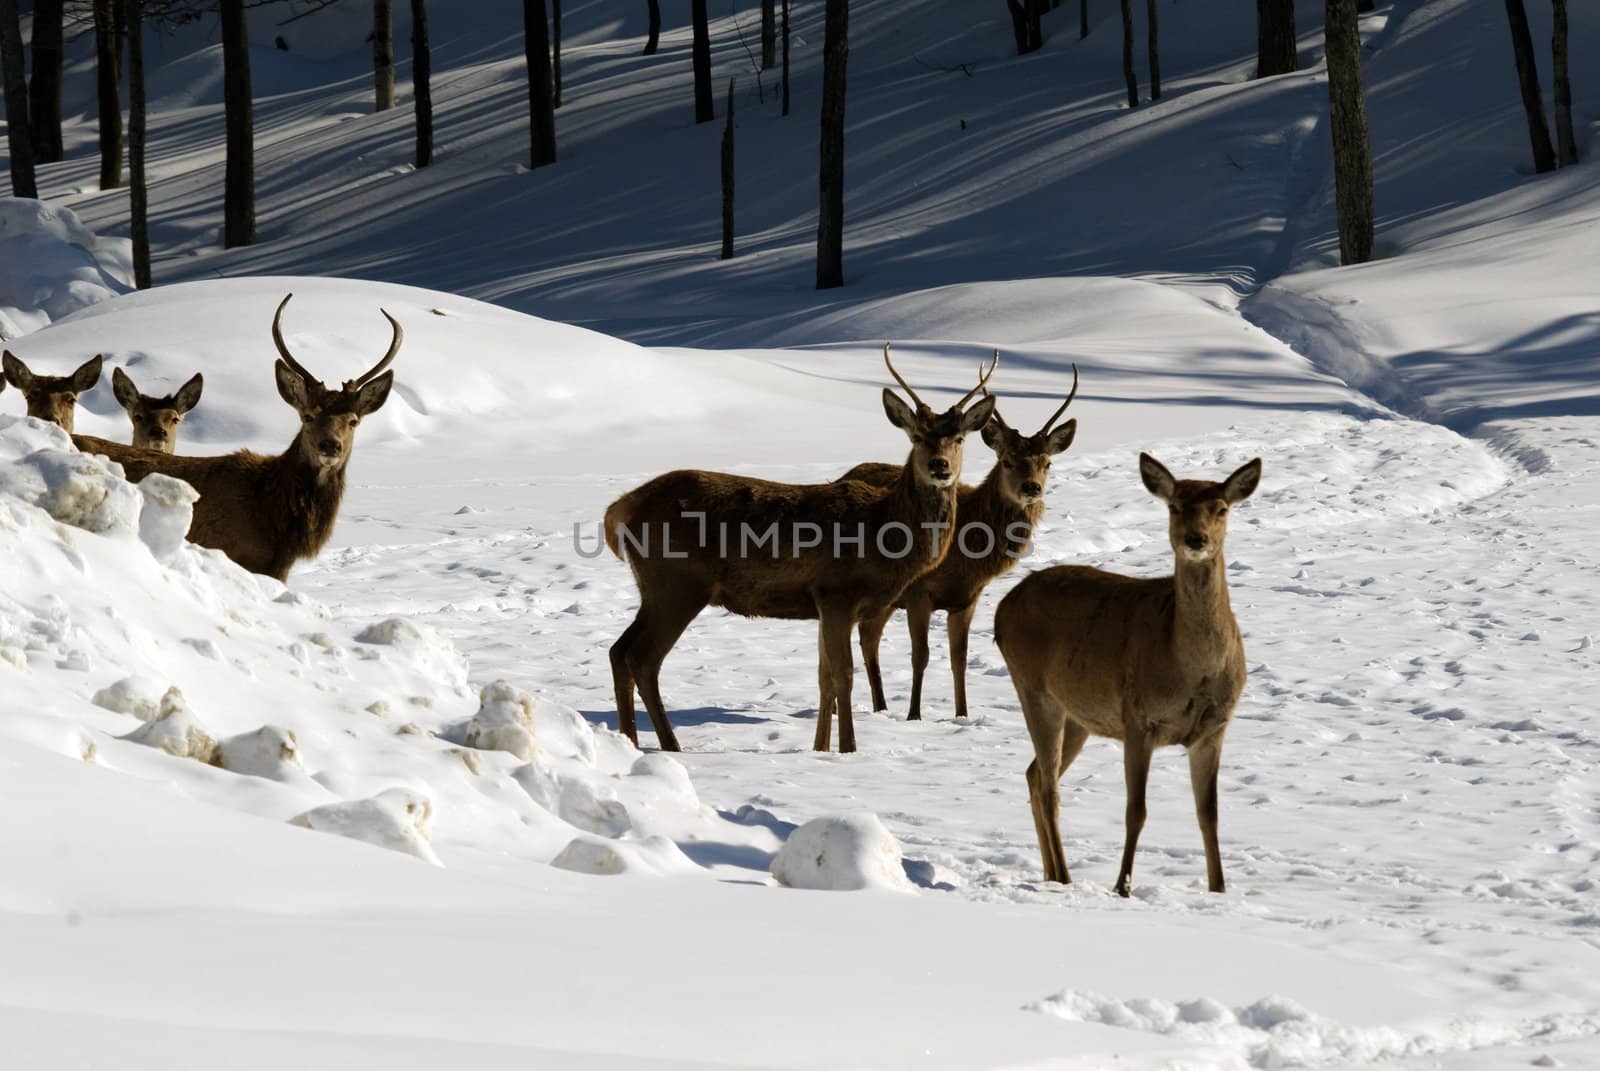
column 938, row 466
column 329, row 447
column 1195, row 541
column 1032, row 489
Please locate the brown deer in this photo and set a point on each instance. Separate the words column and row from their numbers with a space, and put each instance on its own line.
column 839, row 552
column 1151, row 662
column 52, row 398
column 156, row 420
column 994, row 523
column 268, row 512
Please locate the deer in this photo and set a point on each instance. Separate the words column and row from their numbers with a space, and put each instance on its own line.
column 267, row 512
column 155, row 420
column 1003, row 510
column 52, row 398
column 897, row 532
column 1153, row 662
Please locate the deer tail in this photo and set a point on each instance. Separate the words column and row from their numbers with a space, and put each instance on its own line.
column 618, row 516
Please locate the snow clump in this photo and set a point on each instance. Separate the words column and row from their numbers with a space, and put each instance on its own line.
column 176, row 731
column 504, row 722
column 841, row 852
column 396, row 818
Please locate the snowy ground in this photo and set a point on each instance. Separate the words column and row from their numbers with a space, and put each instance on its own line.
column 1411, row 790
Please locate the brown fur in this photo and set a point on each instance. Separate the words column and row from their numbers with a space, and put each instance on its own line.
column 155, row 420
column 681, row 576
column 52, row 398
column 1150, row 662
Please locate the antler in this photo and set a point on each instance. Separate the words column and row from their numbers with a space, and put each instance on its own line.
column 377, row 369
column 983, row 381
column 283, row 347
column 1057, row 414
column 900, row 380
column 995, row 416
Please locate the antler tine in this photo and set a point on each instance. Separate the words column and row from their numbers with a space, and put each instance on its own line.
column 1048, row 424
column 995, row 416
column 283, row 347
column 394, row 348
column 901, row 380
column 983, row 380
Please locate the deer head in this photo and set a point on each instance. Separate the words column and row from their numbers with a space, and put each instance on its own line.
column 52, row 398
column 937, row 438
column 1025, row 459
column 155, row 420
column 1198, row 508
column 328, row 416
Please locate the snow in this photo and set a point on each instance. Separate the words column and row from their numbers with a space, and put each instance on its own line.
column 1408, row 794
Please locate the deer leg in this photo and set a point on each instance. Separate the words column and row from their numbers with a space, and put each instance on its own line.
column 658, row 632
column 919, row 615
column 824, row 738
column 871, row 637
column 958, row 623
column 833, row 631
column 1048, row 728
column 622, row 682
column 1205, row 759
column 1136, row 769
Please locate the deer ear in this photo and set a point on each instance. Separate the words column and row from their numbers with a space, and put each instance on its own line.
column 126, row 393
column 1157, row 480
column 978, row 415
column 992, row 434
column 17, row 373
column 1062, row 437
column 188, row 395
column 291, row 388
column 1243, row 483
column 87, row 375
column 374, row 394
column 900, row 414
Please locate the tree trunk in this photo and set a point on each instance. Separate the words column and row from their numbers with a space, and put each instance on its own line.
column 1366, row 7
column 704, row 109
column 785, row 57
column 383, row 54
column 138, row 198
column 655, row 29
column 555, row 63
column 18, row 137
column 239, row 183
column 769, row 34
column 44, row 93
column 1025, row 24
column 830, row 224
column 1275, row 38
column 108, row 77
column 1083, row 19
column 421, row 81
column 1352, row 154
column 1155, row 52
column 1544, row 156
column 727, row 179
column 541, row 102
column 1127, row 54
column 1566, row 142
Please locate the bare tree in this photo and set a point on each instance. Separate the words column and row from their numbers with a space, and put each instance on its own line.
column 654, row 39
column 555, row 64
column 422, row 81
column 239, row 182
column 138, row 196
column 1083, row 19
column 704, row 109
column 1544, row 156
column 1566, row 143
column 1275, row 38
column 785, row 57
column 1352, row 153
column 541, row 101
column 1025, row 26
column 830, row 223
column 383, row 54
column 18, row 138
column 769, row 34
column 1127, row 54
column 1155, row 54
column 108, row 78
column 727, row 179
column 44, row 92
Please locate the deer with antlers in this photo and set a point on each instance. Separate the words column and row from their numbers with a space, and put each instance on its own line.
column 839, row 553
column 155, row 420
column 1151, row 662
column 52, row 398
column 268, row 512
column 995, row 522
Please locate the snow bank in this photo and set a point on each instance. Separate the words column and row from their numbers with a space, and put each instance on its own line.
column 51, row 265
column 844, row 852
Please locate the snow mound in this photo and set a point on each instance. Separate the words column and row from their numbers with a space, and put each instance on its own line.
column 397, row 818
column 575, row 801
column 504, row 722
column 168, row 510
column 51, row 265
column 268, row 752
column 841, row 852
column 651, row 855
column 177, row 731
column 419, row 645
column 134, row 695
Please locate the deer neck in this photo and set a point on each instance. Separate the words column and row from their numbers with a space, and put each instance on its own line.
column 921, row 506
column 1204, row 632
